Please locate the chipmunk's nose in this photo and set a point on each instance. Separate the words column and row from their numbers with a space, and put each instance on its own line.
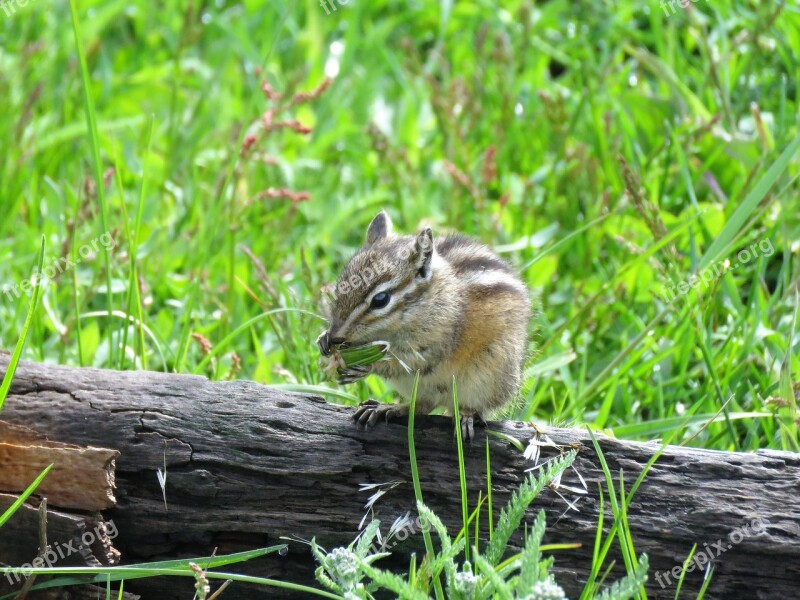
column 335, row 333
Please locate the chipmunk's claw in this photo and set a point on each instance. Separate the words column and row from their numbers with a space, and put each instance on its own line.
column 468, row 423
column 353, row 374
column 363, row 408
column 369, row 412
column 467, row 428
column 324, row 343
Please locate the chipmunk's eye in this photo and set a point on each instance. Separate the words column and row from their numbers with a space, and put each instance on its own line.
column 380, row 300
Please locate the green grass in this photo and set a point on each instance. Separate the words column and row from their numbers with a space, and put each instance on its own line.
column 15, row 506
column 169, row 568
column 533, row 105
column 36, row 286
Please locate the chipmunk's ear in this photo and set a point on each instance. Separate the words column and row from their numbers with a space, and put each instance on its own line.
column 381, row 227
column 423, row 253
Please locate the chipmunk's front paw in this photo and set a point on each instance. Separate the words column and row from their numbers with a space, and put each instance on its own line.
column 370, row 411
column 468, row 423
column 353, row 374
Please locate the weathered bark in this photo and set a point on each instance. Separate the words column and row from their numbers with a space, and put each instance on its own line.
column 81, row 478
column 81, row 481
column 248, row 464
column 75, row 541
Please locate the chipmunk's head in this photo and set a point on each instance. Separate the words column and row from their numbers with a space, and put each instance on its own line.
column 381, row 290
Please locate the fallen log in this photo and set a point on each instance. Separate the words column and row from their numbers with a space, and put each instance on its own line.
column 247, row 464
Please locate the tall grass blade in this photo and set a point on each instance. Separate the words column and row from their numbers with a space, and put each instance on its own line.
column 133, row 293
column 412, row 455
column 462, row 476
column 748, row 205
column 628, row 586
column 15, row 356
column 24, row 496
column 91, row 121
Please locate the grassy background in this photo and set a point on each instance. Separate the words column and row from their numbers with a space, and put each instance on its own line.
column 608, row 142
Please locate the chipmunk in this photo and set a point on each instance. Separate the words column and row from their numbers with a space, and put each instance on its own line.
column 449, row 307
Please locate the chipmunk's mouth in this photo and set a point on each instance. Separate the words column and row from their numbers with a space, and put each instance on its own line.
column 346, row 360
